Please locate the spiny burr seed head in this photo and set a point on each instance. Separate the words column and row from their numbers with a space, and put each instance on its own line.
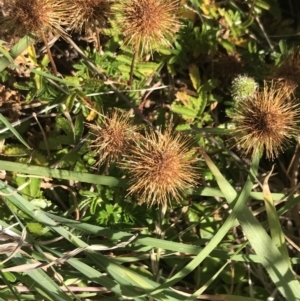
column 266, row 121
column 33, row 16
column 161, row 167
column 88, row 14
column 148, row 24
column 112, row 137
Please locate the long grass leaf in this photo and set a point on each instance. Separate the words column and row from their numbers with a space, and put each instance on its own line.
column 42, row 283
column 274, row 223
column 270, row 257
column 103, row 262
column 13, row 130
column 238, row 207
column 61, row 174
column 16, row 50
column 47, row 75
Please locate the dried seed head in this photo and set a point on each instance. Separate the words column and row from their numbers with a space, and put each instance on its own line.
column 161, row 167
column 112, row 137
column 288, row 73
column 148, row 24
column 266, row 121
column 32, row 16
column 87, row 14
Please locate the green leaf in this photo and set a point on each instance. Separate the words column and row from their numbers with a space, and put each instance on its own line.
column 274, row 223
column 270, row 257
column 283, row 47
column 14, row 151
column 16, row 50
column 34, row 186
column 184, row 111
column 79, row 127
column 124, row 59
column 13, row 130
column 262, row 4
column 200, row 103
column 147, row 68
column 195, row 76
column 63, row 124
column 55, row 78
column 5, row 53
column 35, row 228
column 10, row 277
column 236, row 210
column 228, row 46
column 61, row 174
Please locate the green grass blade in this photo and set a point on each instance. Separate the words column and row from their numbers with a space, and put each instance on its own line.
column 273, row 219
column 61, row 174
column 216, row 192
column 221, row 232
column 269, row 255
column 108, row 264
column 13, row 130
column 16, row 50
column 201, row 290
column 55, row 78
column 41, row 282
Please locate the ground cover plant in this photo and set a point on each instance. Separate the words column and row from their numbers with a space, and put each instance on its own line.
column 149, row 150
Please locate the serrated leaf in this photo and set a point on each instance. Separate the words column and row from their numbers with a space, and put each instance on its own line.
column 124, row 59
column 14, row 151
column 200, row 103
column 183, row 97
column 55, row 143
column 34, row 186
column 79, row 127
column 63, row 123
column 39, row 158
column 183, row 127
column 195, row 76
column 20, row 181
column 9, row 276
column 32, row 54
column 147, row 68
column 41, row 203
column 228, row 45
column 184, row 111
column 35, row 228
